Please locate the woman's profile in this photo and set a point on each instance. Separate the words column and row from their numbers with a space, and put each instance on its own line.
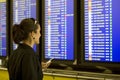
column 23, row 64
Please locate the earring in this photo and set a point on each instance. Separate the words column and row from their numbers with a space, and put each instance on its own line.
column 33, row 37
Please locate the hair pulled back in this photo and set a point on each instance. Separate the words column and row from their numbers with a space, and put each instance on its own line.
column 21, row 31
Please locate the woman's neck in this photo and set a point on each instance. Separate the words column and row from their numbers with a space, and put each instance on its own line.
column 28, row 43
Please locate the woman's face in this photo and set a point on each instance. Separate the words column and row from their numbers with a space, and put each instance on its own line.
column 37, row 35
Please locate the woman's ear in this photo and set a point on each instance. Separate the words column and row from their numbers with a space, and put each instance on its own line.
column 32, row 34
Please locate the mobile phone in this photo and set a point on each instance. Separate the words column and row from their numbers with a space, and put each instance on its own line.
column 50, row 60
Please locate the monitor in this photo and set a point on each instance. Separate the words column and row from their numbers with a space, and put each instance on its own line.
column 23, row 9
column 3, row 29
column 100, row 32
column 59, row 30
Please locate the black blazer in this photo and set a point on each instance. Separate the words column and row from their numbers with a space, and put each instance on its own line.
column 23, row 64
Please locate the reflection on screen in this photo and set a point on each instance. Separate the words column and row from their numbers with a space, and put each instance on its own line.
column 102, row 31
column 23, row 9
column 59, row 29
column 2, row 27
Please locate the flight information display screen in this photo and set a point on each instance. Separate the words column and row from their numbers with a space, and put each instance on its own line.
column 23, row 9
column 102, row 31
column 3, row 28
column 59, row 29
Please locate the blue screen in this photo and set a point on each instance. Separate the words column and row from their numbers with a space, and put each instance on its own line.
column 59, row 29
column 2, row 27
column 23, row 9
column 102, row 31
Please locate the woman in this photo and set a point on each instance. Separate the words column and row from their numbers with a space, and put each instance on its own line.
column 23, row 64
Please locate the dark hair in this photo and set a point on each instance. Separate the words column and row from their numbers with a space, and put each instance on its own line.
column 21, row 31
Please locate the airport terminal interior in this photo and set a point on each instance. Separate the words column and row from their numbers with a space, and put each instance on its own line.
column 81, row 38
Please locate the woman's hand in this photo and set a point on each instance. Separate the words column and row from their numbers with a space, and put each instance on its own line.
column 45, row 65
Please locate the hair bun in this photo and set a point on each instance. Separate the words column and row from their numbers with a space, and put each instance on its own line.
column 18, row 33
